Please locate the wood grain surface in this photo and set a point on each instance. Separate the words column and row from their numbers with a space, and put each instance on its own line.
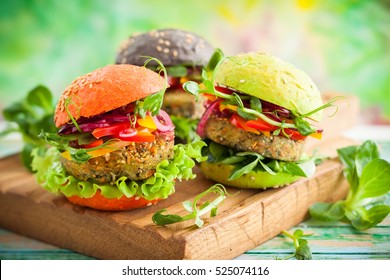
column 246, row 219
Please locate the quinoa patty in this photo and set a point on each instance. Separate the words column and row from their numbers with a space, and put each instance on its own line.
column 220, row 130
column 137, row 161
column 180, row 103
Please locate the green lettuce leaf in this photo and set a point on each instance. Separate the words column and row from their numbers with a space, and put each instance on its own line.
column 245, row 162
column 185, row 128
column 368, row 199
column 53, row 177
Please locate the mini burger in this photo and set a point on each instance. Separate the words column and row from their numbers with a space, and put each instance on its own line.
column 260, row 111
column 114, row 149
column 184, row 54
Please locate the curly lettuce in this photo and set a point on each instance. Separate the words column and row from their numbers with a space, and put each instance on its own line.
column 53, row 177
column 185, row 128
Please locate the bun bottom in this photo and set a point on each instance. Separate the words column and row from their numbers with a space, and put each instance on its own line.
column 100, row 202
column 253, row 180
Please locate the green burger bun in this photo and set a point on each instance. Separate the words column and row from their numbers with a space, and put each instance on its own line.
column 254, row 180
column 270, row 79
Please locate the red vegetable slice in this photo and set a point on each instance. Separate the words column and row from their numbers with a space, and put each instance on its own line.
column 163, row 122
column 95, row 143
column 111, row 130
column 200, row 130
column 224, row 90
column 294, row 134
column 239, row 122
column 261, row 125
column 137, row 137
column 127, row 133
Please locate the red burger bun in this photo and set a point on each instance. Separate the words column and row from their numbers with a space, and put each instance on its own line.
column 105, row 89
column 100, row 202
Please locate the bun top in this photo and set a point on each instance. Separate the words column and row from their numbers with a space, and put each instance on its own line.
column 270, row 79
column 105, row 89
column 170, row 46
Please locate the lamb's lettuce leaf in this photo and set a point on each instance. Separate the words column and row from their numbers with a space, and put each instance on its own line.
column 245, row 162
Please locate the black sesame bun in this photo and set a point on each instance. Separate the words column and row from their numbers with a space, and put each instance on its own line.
column 184, row 54
column 171, row 46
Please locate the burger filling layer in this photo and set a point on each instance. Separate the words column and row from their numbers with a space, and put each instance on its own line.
column 222, row 131
column 136, row 161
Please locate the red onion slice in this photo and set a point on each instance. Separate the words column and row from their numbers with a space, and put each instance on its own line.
column 200, row 130
column 163, row 122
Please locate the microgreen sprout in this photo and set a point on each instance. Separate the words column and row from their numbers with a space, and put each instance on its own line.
column 69, row 101
column 301, row 245
column 153, row 102
column 195, row 211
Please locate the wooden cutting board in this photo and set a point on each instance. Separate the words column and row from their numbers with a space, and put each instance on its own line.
column 245, row 220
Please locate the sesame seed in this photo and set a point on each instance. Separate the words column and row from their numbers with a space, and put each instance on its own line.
column 167, row 43
column 159, row 48
column 149, row 204
column 160, row 41
column 174, row 53
column 242, row 81
column 166, row 50
column 90, row 85
column 188, row 40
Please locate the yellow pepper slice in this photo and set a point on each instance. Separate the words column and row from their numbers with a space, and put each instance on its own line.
column 102, row 151
column 147, row 122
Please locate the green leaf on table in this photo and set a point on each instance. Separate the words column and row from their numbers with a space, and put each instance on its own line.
column 303, row 251
column 160, row 219
column 329, row 212
column 301, row 245
column 367, row 202
column 375, row 179
column 365, row 154
column 363, row 219
column 195, row 211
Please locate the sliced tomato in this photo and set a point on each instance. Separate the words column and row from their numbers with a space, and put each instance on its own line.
column 224, row 90
column 110, row 130
column 239, row 122
column 261, row 125
column 294, row 134
column 95, row 143
column 140, row 136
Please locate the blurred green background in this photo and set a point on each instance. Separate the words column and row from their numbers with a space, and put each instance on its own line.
column 343, row 45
